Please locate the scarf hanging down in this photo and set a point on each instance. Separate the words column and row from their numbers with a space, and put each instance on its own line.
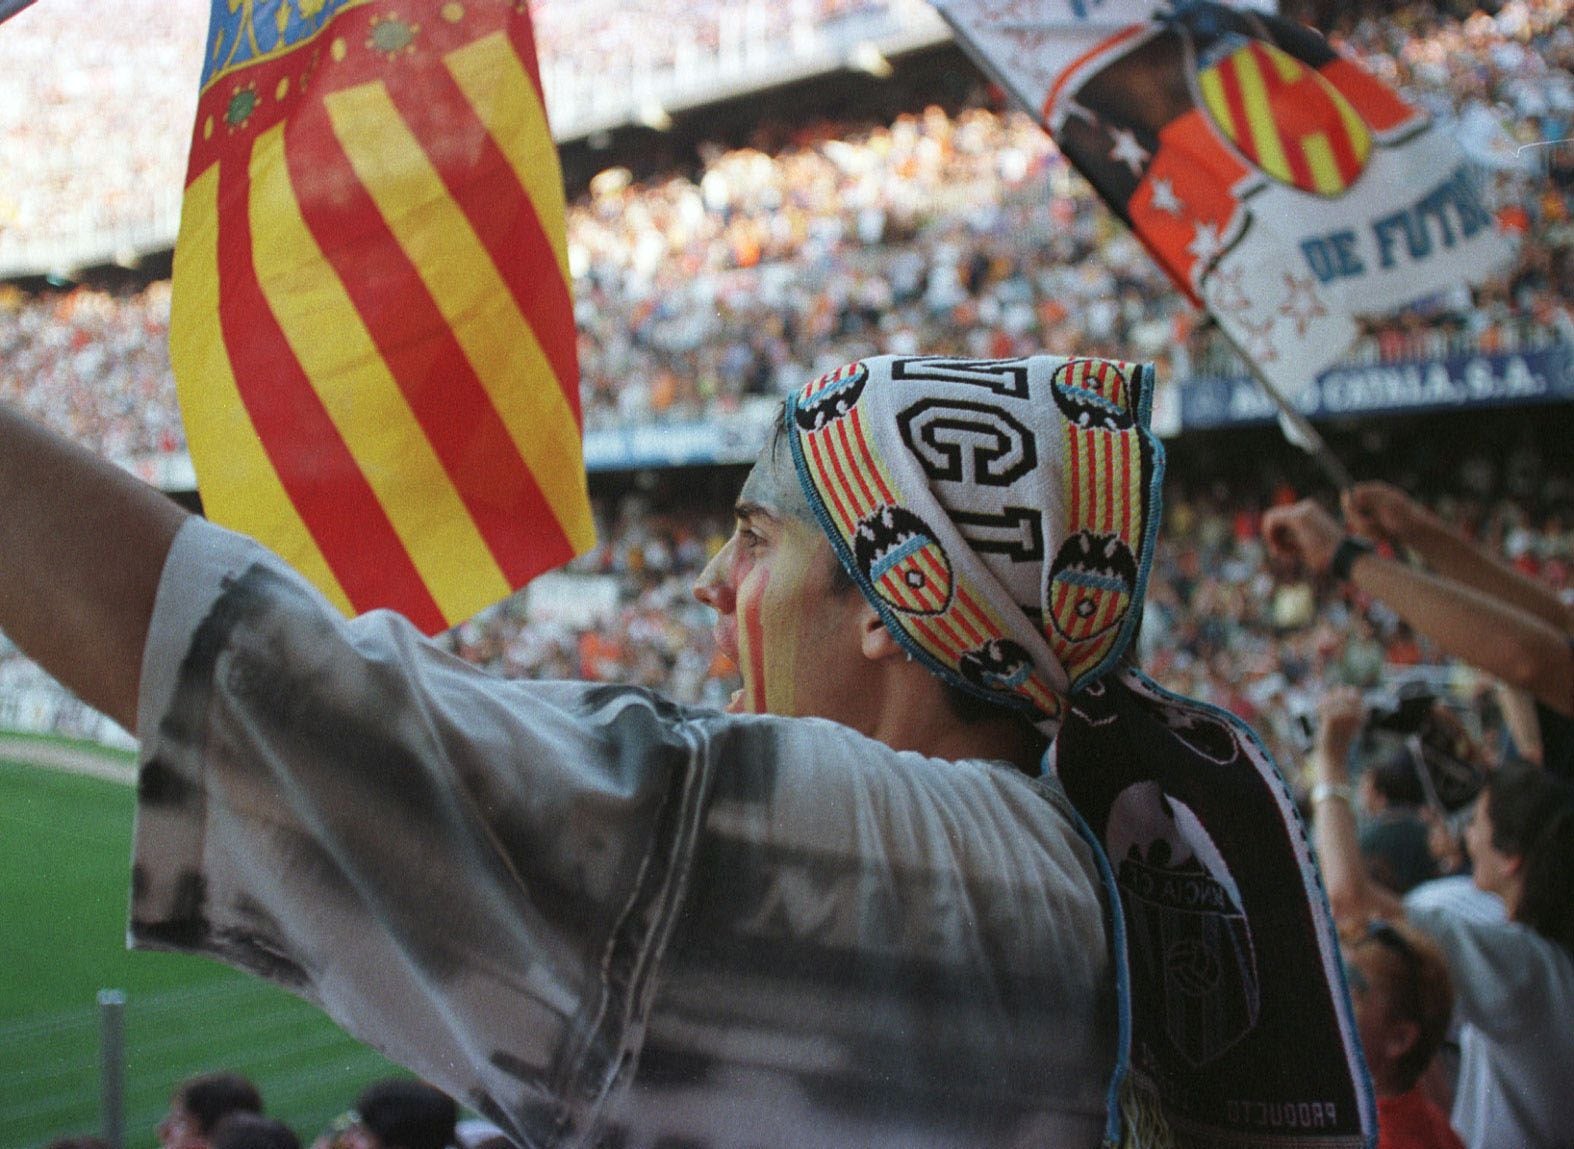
column 1000, row 515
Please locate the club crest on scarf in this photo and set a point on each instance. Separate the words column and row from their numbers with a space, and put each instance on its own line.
column 939, row 481
column 1090, row 587
column 830, row 397
column 1180, row 894
column 901, row 559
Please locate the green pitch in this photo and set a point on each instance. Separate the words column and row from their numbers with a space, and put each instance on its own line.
column 65, row 848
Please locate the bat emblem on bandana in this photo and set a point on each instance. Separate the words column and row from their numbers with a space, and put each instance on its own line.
column 830, row 397
column 999, row 665
column 1092, row 394
column 901, row 559
column 1091, row 584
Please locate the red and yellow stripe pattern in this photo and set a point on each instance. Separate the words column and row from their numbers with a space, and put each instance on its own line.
column 1105, row 482
column 1286, row 119
column 930, row 598
column 372, row 328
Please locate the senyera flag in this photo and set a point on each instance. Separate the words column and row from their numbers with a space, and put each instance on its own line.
column 1278, row 183
column 372, row 330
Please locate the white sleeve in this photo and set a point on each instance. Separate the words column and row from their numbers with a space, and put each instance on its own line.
column 472, row 875
column 1488, row 962
column 580, row 907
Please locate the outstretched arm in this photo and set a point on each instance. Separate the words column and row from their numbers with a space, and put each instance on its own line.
column 1499, row 637
column 1383, row 511
column 82, row 545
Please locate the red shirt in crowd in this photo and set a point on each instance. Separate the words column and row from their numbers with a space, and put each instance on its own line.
column 1412, row 1121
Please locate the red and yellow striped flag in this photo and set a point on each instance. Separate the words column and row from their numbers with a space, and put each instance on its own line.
column 372, row 329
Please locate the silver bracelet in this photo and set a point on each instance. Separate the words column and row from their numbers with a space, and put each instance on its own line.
column 1340, row 790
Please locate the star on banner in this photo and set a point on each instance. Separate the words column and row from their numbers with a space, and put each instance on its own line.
column 1225, row 292
column 1164, row 197
column 1127, row 150
column 1259, row 341
column 1301, row 302
column 1205, row 242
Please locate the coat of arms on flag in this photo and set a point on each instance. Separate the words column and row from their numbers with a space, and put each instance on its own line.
column 372, row 330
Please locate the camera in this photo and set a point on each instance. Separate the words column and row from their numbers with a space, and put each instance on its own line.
column 1439, row 747
column 1407, row 712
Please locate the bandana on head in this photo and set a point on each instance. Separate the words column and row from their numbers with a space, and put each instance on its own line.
column 1000, row 515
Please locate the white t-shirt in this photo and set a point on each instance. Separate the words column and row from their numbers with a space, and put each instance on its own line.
column 599, row 918
column 1514, row 1000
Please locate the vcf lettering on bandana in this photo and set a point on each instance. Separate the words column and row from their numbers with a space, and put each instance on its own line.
column 1000, row 515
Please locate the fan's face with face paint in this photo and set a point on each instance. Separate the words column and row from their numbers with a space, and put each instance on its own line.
column 794, row 634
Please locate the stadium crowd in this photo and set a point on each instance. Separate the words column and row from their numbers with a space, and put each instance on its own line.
column 943, row 232
column 97, row 100
column 962, row 233
column 1222, row 624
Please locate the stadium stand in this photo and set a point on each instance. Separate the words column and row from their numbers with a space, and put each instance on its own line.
column 706, row 288
column 717, row 264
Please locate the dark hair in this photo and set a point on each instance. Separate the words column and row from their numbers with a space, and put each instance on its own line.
column 243, row 1130
column 212, row 1096
column 1532, row 816
column 408, row 1114
column 1421, row 993
column 1395, row 778
column 965, row 706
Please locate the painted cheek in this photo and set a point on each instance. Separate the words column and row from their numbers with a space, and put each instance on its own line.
column 783, row 618
column 751, row 640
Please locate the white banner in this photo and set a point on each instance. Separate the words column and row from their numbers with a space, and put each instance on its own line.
column 1024, row 45
column 1276, row 182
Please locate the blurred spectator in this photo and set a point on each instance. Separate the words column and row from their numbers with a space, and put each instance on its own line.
column 253, row 1131
column 396, row 1113
column 200, row 1103
column 1400, row 988
column 1394, row 836
column 1515, row 978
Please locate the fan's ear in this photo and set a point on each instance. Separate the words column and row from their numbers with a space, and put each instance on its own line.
column 877, row 641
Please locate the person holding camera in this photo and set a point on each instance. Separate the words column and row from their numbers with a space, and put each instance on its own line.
column 1514, row 978
column 1470, row 604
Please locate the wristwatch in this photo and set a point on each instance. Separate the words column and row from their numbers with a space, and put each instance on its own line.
column 1349, row 549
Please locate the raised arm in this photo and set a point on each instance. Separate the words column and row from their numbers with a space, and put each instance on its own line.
column 1352, row 895
column 82, row 544
column 1383, row 511
column 1494, row 635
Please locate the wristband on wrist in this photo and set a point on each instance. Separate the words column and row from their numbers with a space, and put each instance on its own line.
column 1349, row 549
column 1326, row 790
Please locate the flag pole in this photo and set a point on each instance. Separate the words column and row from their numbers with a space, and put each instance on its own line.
column 1305, row 435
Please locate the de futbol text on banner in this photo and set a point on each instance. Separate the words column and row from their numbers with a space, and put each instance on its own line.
column 1277, row 182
